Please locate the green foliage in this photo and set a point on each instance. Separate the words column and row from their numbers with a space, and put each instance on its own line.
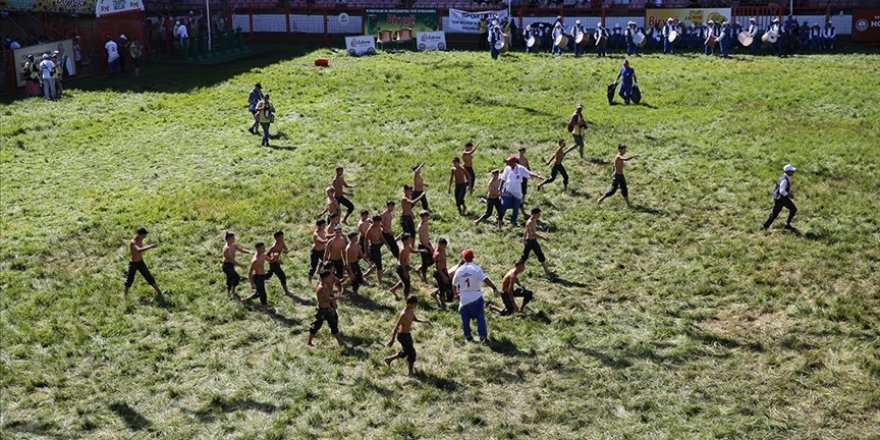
column 675, row 319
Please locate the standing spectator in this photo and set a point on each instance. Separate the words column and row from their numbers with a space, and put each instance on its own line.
column 467, row 284
column 123, row 47
column 77, row 52
column 828, row 35
column 725, row 39
column 483, row 29
column 254, row 98
column 512, row 189
column 58, row 59
column 135, row 50
column 182, row 35
column 30, row 71
column 266, row 116
column 47, row 70
column 112, row 56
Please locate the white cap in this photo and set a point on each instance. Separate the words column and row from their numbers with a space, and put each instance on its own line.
column 577, row 22
column 122, row 37
column 788, row 168
column 599, row 24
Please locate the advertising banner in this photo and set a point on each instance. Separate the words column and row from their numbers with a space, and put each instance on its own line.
column 697, row 16
column 431, row 41
column 360, row 45
column 72, row 6
column 65, row 47
column 464, row 22
column 107, row 7
column 393, row 20
column 866, row 26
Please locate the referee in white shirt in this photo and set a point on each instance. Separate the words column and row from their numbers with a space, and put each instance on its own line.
column 467, row 282
column 782, row 196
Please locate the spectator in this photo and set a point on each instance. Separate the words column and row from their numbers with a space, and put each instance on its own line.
column 266, row 116
column 467, row 283
column 112, row 56
column 47, row 69
column 182, row 35
column 123, row 48
column 135, row 50
column 59, row 60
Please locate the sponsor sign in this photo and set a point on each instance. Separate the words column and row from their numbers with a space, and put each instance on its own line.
column 697, row 16
column 465, row 22
column 393, row 20
column 107, row 7
column 360, row 45
column 65, row 47
column 430, row 41
column 866, row 26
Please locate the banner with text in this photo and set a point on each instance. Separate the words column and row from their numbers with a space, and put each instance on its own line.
column 466, row 22
column 360, row 45
column 431, row 41
column 71, row 6
column 866, row 26
column 107, row 7
column 393, row 20
column 64, row 47
column 695, row 16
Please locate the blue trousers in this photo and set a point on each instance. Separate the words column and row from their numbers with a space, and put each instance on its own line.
column 631, row 48
column 510, row 202
column 601, row 51
column 626, row 92
column 494, row 52
column 474, row 310
column 265, row 126
column 725, row 48
column 667, row 46
column 709, row 50
column 578, row 50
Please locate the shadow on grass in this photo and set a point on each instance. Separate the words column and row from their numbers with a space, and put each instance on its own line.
column 132, row 419
column 822, row 237
column 158, row 300
column 367, row 303
column 33, row 428
column 598, row 161
column 508, row 348
column 437, row 382
column 647, row 209
column 645, row 104
column 281, row 147
column 554, row 278
column 224, row 405
column 605, row 359
column 283, row 320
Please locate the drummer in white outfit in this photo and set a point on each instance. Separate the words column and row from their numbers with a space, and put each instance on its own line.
column 578, row 29
column 601, row 50
column 668, row 29
column 557, row 31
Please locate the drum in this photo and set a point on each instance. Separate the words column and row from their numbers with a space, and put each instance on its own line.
column 673, row 36
column 506, row 42
column 582, row 39
column 561, row 40
column 711, row 41
column 404, row 35
column 499, row 45
column 639, row 39
column 745, row 39
column 602, row 41
column 384, row 36
column 531, row 42
column 769, row 37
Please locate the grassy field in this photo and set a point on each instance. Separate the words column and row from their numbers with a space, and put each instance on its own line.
column 676, row 319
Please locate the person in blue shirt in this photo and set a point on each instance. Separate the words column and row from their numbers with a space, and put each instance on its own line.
column 254, row 98
column 626, row 77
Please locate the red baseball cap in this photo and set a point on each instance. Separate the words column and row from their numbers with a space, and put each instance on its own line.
column 512, row 158
column 467, row 254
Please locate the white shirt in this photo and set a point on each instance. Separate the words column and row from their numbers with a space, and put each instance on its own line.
column 513, row 179
column 112, row 52
column 784, row 186
column 181, row 32
column 46, row 67
column 468, row 280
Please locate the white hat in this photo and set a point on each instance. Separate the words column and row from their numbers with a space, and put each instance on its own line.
column 577, row 22
column 753, row 20
column 599, row 24
column 122, row 37
column 669, row 19
column 631, row 23
column 788, row 168
column 45, row 56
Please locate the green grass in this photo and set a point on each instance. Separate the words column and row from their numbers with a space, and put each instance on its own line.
column 677, row 319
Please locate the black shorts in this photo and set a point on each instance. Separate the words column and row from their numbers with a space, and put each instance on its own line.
column 472, row 176
column 617, row 181
column 518, row 292
column 275, row 269
column 407, row 224
column 314, row 260
column 427, row 259
column 416, row 194
column 460, row 193
column 533, row 245
column 342, row 200
column 493, row 203
column 376, row 256
column 525, row 186
column 326, row 314
column 260, row 287
column 403, row 273
column 407, row 349
column 232, row 277
column 357, row 275
column 444, row 285
column 338, row 268
column 135, row 267
column 392, row 244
